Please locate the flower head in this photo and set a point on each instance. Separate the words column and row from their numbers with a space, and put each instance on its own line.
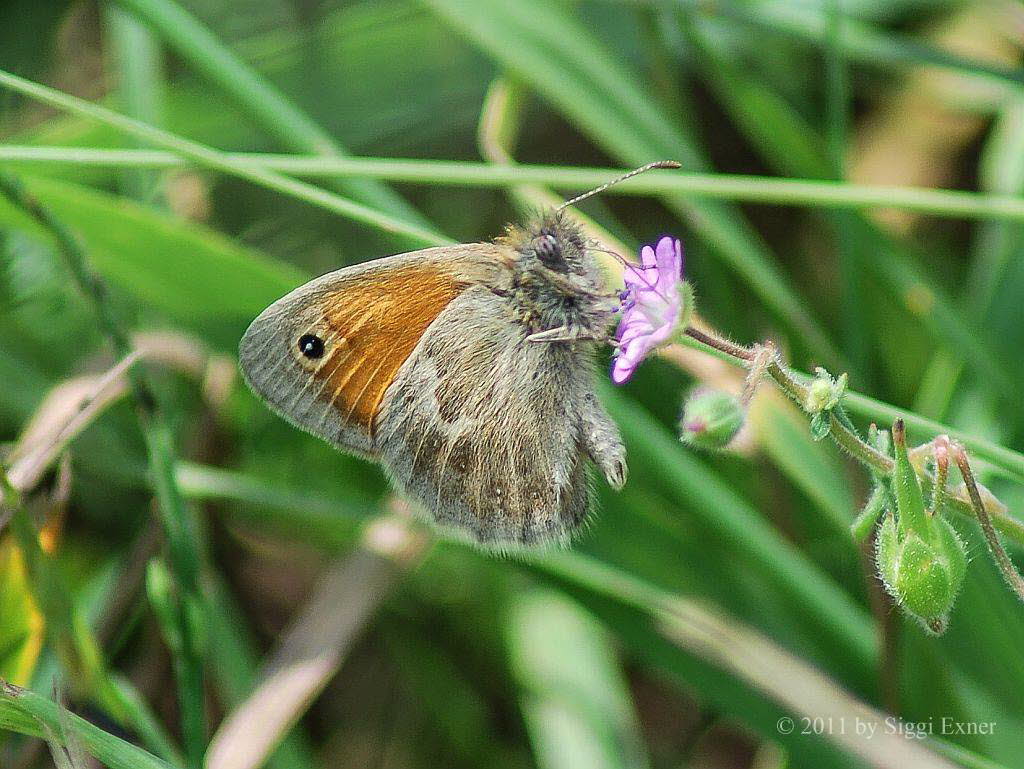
column 653, row 304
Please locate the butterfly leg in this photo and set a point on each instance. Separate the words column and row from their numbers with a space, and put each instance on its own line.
column 602, row 442
column 569, row 334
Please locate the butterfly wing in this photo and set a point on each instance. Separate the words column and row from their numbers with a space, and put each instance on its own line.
column 484, row 428
column 358, row 326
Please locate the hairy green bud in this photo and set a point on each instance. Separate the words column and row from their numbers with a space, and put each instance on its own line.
column 920, row 558
column 824, row 392
column 710, row 419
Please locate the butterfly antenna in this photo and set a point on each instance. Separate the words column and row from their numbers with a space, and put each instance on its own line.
column 613, row 182
column 614, row 254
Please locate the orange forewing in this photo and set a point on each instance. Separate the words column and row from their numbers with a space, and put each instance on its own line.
column 376, row 320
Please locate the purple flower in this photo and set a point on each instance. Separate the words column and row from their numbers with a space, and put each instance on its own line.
column 652, row 305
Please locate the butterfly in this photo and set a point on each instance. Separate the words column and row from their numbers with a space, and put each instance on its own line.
column 467, row 371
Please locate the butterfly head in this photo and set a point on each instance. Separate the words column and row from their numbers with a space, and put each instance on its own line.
column 549, row 243
column 555, row 278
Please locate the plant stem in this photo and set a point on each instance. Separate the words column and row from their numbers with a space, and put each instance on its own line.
column 866, row 520
column 1008, row 461
column 847, row 439
column 731, row 349
column 1002, row 559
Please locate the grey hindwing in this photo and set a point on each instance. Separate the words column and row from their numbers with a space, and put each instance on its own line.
column 485, row 429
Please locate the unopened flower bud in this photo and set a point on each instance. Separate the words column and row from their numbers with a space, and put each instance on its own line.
column 923, row 577
column 920, row 558
column 824, row 392
column 711, row 419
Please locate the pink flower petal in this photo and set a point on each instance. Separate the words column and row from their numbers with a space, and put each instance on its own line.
column 651, row 305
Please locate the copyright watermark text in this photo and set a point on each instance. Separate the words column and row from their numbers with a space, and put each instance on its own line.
column 868, row 728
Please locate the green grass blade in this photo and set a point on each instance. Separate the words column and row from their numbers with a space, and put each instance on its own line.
column 752, row 658
column 744, row 188
column 864, row 42
column 28, row 713
column 234, row 668
column 180, row 268
column 577, row 706
column 211, row 158
column 290, row 125
column 754, row 542
column 789, row 150
column 137, row 64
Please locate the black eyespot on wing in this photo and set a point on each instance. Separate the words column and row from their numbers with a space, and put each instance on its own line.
column 311, row 346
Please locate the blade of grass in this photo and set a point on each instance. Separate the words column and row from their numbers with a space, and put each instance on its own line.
column 721, row 640
column 233, row 669
column 138, row 67
column 310, row 652
column 290, row 513
column 870, row 45
column 864, row 42
column 175, row 266
column 202, row 482
column 26, row 712
column 625, row 589
column 811, row 466
column 992, row 253
column 292, row 127
column 233, row 663
column 818, row 601
column 211, row 158
column 751, row 538
column 743, row 188
column 837, row 119
column 23, row 632
column 70, row 635
column 175, row 517
column 575, row 700
column 355, row 45
column 833, row 614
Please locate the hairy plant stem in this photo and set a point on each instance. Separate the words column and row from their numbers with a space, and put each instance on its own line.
column 843, row 433
column 763, row 356
column 844, row 436
column 999, row 554
column 720, row 343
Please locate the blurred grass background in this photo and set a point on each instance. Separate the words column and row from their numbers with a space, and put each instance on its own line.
column 417, row 653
